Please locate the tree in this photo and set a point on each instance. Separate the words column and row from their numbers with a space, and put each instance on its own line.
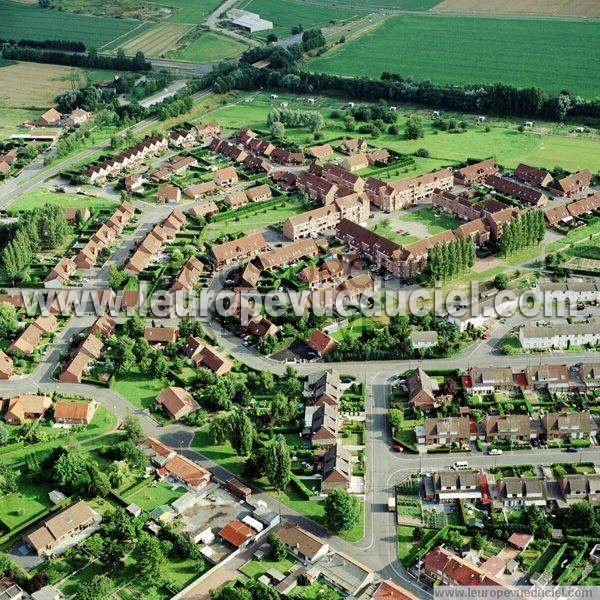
column 151, row 558
column 97, row 588
column 454, row 538
column 478, row 541
column 278, row 465
column 341, row 511
column 241, row 432
column 116, row 277
column 283, row 409
column 118, row 473
column 417, row 534
column 413, row 129
column 71, row 471
column 580, row 515
column 278, row 130
column 218, row 428
column 8, row 319
column 133, row 429
column 278, row 549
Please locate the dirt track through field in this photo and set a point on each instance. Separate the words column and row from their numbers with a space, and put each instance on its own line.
column 562, row 8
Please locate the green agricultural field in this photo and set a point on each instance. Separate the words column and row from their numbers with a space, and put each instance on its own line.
column 40, row 196
column 28, row 21
column 192, row 12
column 416, row 5
column 212, row 47
column 458, row 49
column 285, row 14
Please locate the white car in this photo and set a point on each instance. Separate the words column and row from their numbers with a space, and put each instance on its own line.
column 495, row 451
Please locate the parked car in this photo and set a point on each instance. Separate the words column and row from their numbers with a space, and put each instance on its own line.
column 398, row 448
column 495, row 451
column 572, row 449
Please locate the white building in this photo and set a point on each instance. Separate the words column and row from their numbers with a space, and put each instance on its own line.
column 423, row 339
column 559, row 335
column 482, row 312
column 248, row 21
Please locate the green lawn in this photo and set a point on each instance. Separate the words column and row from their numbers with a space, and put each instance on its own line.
column 138, row 388
column 102, row 423
column 355, row 329
column 222, row 454
column 436, row 223
column 212, row 47
column 18, row 507
column 253, row 220
column 152, row 496
column 256, row 568
column 20, row 20
column 40, row 196
column 441, row 48
column 384, row 228
column 314, row 592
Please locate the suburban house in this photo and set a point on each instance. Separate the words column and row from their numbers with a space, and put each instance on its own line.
column 559, row 335
column 514, row 428
column 352, row 146
column 341, row 177
column 60, row 526
column 182, row 138
column 421, row 340
column 207, row 130
column 572, row 184
column 337, row 469
column 476, row 173
column 533, row 175
column 517, row 190
column 71, row 214
column 89, row 350
column 199, row 190
column 321, row 343
column 289, row 254
column 322, row 151
column 287, row 159
column 330, row 270
column 180, row 164
column 25, row 408
column 77, row 117
column 184, row 471
column 453, row 485
column 322, row 424
column 177, row 402
column 421, row 390
column 233, row 152
column 440, row 564
column 256, row 164
column 580, row 487
column 188, row 276
column 519, row 492
column 486, row 380
column 355, row 162
column 226, row 177
column 589, row 374
column 323, row 388
column 307, row 547
column 168, row 194
column 444, row 432
column 51, row 118
column 30, row 339
column 68, row 412
column 236, row 250
column 388, row 590
column 550, row 377
column 237, row 534
column 568, row 426
column 206, row 356
column 6, row 366
column 161, row 335
column 204, row 209
column 158, row 453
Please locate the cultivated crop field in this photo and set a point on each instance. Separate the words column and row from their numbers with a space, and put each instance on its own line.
column 285, row 14
column 157, row 40
column 212, row 47
column 451, row 49
column 566, row 8
column 25, row 21
column 28, row 85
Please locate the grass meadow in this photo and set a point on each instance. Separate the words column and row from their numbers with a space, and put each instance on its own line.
column 211, row 47
column 454, row 50
column 28, row 21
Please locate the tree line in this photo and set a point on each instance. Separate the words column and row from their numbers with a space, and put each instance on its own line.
column 449, row 259
column 498, row 98
column 63, row 45
column 523, row 231
column 43, row 228
column 90, row 60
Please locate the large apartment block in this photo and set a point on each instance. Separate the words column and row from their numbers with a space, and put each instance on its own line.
column 403, row 193
column 352, row 208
